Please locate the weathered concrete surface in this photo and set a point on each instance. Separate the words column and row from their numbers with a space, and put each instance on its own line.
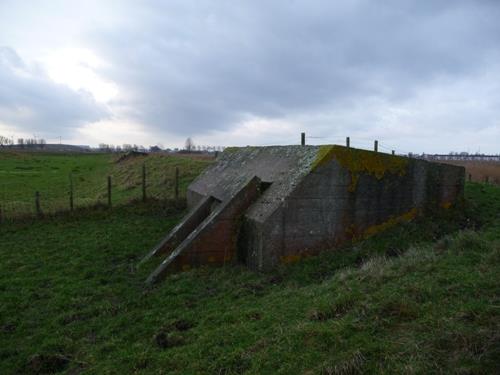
column 316, row 197
column 188, row 224
column 214, row 240
column 337, row 203
column 284, row 166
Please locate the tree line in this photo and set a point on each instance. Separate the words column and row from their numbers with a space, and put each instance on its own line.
column 189, row 146
column 106, row 147
column 22, row 142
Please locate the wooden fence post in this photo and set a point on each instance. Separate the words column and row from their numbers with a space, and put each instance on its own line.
column 71, row 206
column 470, row 177
column 348, row 142
column 375, row 146
column 144, row 182
column 303, row 139
column 109, row 191
column 37, row 203
column 176, row 182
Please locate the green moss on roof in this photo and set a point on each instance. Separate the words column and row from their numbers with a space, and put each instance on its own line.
column 361, row 161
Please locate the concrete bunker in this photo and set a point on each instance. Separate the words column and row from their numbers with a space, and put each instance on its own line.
column 268, row 205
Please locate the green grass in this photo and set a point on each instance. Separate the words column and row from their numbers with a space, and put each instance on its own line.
column 421, row 298
column 21, row 174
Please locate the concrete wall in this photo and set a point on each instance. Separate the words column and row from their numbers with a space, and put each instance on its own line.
column 277, row 204
column 341, row 200
column 215, row 240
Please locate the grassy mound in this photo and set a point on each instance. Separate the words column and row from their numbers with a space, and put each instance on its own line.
column 22, row 174
column 420, row 298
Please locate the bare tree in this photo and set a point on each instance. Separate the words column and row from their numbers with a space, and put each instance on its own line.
column 4, row 141
column 104, row 147
column 189, row 145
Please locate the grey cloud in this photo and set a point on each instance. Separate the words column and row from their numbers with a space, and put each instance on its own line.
column 33, row 103
column 191, row 67
column 199, row 66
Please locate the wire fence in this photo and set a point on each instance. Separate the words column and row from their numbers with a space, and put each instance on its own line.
column 478, row 168
column 361, row 143
column 19, row 200
column 140, row 182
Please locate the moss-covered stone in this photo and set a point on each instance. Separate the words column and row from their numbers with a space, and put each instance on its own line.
column 361, row 161
column 392, row 221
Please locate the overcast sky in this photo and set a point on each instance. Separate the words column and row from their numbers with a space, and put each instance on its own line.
column 420, row 76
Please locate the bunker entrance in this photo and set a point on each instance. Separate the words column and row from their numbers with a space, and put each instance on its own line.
column 264, row 185
column 245, row 240
column 208, row 234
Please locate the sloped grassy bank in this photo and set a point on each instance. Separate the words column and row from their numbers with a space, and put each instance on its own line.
column 420, row 298
column 23, row 174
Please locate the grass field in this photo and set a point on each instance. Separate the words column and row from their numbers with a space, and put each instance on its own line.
column 422, row 298
column 21, row 174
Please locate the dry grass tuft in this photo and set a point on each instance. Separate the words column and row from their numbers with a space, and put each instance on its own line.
column 479, row 170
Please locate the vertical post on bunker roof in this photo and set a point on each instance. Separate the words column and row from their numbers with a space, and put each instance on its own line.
column 393, row 152
column 375, row 146
column 303, row 139
column 348, row 142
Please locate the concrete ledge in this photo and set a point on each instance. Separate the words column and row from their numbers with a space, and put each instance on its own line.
column 214, row 240
column 192, row 220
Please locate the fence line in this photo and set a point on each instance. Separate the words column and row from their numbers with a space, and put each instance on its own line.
column 111, row 191
column 46, row 201
column 367, row 143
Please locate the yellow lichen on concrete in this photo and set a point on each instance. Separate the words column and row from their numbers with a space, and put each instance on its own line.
column 392, row 221
column 359, row 235
column 325, row 154
column 231, row 150
column 361, row 161
column 446, row 205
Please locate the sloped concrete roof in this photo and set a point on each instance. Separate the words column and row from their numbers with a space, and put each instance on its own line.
column 282, row 166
